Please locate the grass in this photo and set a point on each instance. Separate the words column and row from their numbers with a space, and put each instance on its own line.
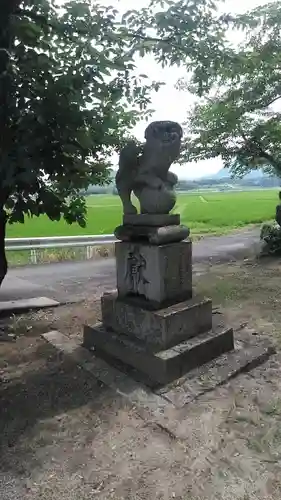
column 206, row 213
column 23, row 257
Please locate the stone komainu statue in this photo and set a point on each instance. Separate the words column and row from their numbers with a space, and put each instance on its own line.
column 144, row 170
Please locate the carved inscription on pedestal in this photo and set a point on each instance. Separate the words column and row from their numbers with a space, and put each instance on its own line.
column 135, row 272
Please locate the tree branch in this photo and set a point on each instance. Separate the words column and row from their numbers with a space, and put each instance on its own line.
column 273, row 100
column 32, row 15
column 260, row 151
column 270, row 158
column 44, row 21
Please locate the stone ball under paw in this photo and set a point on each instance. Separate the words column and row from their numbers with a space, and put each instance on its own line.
column 156, row 201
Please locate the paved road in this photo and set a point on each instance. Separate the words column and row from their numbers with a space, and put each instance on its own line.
column 67, row 281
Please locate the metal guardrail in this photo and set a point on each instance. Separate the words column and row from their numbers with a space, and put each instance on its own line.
column 58, row 241
column 33, row 244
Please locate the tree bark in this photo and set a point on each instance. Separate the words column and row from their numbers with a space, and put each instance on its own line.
column 7, row 9
column 3, row 260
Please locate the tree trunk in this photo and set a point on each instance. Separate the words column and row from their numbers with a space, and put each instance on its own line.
column 3, row 260
column 7, row 9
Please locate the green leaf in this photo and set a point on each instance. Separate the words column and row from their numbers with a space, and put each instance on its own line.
column 84, row 139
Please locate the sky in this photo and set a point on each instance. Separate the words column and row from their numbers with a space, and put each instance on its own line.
column 170, row 103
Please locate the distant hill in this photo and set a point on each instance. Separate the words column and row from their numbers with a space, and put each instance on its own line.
column 224, row 173
column 222, row 181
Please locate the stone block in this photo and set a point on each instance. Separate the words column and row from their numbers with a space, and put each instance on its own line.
column 23, row 305
column 157, row 220
column 165, row 365
column 158, row 275
column 162, row 328
column 152, row 234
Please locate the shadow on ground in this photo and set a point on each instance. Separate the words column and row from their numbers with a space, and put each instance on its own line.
column 50, row 386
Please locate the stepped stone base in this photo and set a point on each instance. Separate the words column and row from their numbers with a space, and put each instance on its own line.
column 162, row 328
column 153, row 323
column 161, row 366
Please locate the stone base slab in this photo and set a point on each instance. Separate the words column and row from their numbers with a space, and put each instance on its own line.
column 162, row 328
column 151, row 220
column 163, row 366
column 249, row 353
column 22, row 305
column 253, row 351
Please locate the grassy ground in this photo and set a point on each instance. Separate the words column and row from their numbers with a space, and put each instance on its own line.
column 203, row 213
column 80, row 440
column 24, row 257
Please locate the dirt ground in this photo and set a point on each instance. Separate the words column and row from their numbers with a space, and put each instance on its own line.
column 64, row 435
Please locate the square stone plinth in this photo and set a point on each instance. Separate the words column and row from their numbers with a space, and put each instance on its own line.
column 157, row 220
column 160, row 275
column 161, row 366
column 162, row 328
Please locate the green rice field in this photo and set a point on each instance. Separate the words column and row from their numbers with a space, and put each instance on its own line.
column 208, row 212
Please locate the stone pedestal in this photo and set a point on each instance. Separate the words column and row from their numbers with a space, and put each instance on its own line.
column 154, row 275
column 153, row 322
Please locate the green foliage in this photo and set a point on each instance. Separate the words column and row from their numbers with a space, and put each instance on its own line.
column 234, row 119
column 71, row 93
column 183, row 33
column 72, row 97
column 271, row 236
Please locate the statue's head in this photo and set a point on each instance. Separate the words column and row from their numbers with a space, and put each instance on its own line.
column 167, row 132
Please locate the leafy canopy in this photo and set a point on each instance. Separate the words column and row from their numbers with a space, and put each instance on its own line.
column 71, row 93
column 236, row 117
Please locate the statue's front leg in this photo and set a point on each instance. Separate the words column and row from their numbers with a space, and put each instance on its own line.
column 128, row 207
